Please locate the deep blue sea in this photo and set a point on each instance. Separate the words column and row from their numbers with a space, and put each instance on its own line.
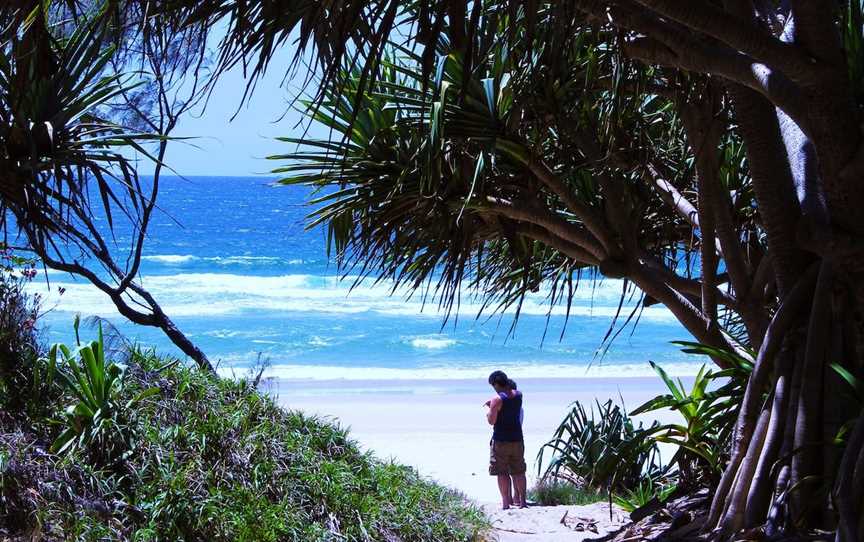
column 231, row 262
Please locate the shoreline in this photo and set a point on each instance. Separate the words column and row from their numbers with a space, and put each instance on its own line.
column 439, row 426
column 325, row 374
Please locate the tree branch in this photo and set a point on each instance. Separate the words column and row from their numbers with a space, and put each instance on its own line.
column 743, row 35
column 669, row 194
column 567, row 248
column 686, row 313
column 586, row 214
column 686, row 285
column 555, row 225
column 816, row 31
column 772, row 182
column 696, row 57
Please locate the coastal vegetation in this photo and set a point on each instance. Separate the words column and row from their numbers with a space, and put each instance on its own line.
column 104, row 440
column 555, row 493
column 600, row 450
column 514, row 145
column 605, row 451
column 83, row 93
column 707, row 153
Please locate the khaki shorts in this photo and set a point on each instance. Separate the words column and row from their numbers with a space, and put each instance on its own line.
column 506, row 458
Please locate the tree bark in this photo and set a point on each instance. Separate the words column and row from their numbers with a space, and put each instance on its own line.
column 809, row 416
column 772, row 183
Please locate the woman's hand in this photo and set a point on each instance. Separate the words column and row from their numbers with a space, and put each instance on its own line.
column 494, row 405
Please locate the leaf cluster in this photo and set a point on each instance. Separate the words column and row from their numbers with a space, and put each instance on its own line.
column 602, row 450
column 702, row 440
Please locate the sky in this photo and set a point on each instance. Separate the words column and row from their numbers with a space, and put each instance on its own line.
column 225, row 147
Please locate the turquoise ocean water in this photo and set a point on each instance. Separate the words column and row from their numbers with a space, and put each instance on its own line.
column 231, row 262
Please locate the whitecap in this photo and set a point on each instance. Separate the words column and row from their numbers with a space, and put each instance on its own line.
column 317, row 341
column 432, row 343
column 243, row 260
column 170, row 258
column 214, row 294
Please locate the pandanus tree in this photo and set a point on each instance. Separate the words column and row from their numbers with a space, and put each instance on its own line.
column 83, row 86
column 504, row 144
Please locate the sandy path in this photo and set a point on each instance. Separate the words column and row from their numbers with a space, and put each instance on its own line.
column 440, row 427
column 544, row 522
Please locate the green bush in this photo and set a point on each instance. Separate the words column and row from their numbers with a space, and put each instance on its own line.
column 100, row 419
column 701, row 440
column 629, row 499
column 602, row 450
column 20, row 346
column 212, row 459
column 557, row 492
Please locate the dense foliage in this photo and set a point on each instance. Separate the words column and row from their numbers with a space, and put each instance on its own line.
column 599, row 450
column 696, row 150
column 83, row 96
column 605, row 450
column 138, row 447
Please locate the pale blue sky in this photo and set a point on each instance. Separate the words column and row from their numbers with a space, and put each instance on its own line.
column 236, row 147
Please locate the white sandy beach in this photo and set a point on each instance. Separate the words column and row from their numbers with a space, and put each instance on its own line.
column 439, row 427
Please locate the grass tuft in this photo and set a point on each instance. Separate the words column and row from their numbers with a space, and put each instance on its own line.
column 557, row 492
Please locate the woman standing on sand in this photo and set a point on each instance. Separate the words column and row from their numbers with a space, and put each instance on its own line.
column 507, row 447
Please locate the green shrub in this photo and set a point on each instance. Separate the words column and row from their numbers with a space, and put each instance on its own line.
column 100, row 419
column 557, row 492
column 212, row 459
column 629, row 499
column 20, row 347
column 708, row 416
column 602, row 450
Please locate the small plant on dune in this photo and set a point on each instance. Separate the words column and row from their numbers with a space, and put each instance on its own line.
column 552, row 492
column 629, row 499
column 602, row 450
column 99, row 419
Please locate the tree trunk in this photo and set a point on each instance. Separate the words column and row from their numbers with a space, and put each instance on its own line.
column 182, row 342
column 787, row 442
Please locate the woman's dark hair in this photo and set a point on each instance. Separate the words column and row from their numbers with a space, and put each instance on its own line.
column 499, row 378
column 511, row 384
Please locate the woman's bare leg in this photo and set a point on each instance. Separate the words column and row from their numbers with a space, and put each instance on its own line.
column 504, row 488
column 520, row 487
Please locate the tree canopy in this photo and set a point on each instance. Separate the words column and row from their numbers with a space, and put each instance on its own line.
column 510, row 143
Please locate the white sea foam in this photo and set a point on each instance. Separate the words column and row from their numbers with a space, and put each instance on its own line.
column 170, row 258
column 317, row 341
column 334, row 372
column 432, row 342
column 243, row 260
column 215, row 294
column 177, row 259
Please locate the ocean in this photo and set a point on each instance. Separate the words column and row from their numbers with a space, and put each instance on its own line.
column 232, row 263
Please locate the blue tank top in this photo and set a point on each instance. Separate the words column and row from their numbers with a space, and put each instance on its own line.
column 508, row 426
